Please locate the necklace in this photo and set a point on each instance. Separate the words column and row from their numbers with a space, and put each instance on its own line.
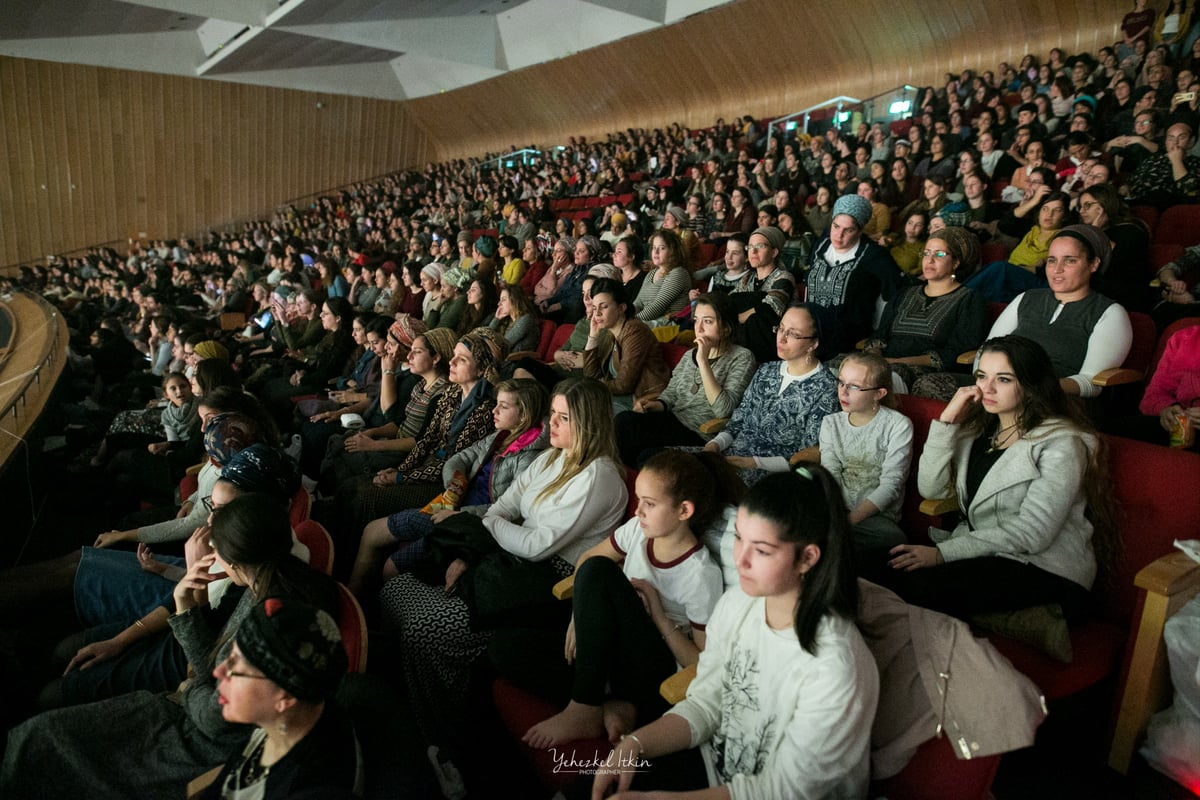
column 1004, row 437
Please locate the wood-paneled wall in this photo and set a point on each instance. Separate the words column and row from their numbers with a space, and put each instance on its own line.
column 91, row 155
column 762, row 57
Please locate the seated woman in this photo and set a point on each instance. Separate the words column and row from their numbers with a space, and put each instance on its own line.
column 763, row 293
column 151, row 745
column 867, row 448
column 561, row 265
column 1001, row 281
column 569, row 499
column 1172, row 398
column 324, row 361
column 476, row 477
column 1125, row 276
column 627, row 256
column 413, row 297
column 1029, row 469
column 431, row 283
column 123, row 601
column 1083, row 331
column 513, row 269
column 566, row 304
column 516, row 320
column 906, row 247
column 782, row 408
column 171, row 418
column 785, row 681
column 461, row 415
column 628, row 362
column 929, row 325
column 454, row 302
column 707, row 383
column 820, row 213
column 481, row 306
column 933, row 196
column 664, row 290
column 534, row 255
column 640, row 604
column 280, row 676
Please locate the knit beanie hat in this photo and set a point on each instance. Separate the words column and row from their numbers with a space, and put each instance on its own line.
column 773, row 235
column 858, row 208
column 433, row 270
column 1096, row 240
column 296, row 646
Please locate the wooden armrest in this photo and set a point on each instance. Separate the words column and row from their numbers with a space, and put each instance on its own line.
column 194, row 469
column 861, row 344
column 713, row 426
column 564, row 589
column 966, row 358
column 1169, row 582
column 1117, row 376
column 517, row 356
column 938, row 507
column 674, row 688
column 231, row 321
column 1155, row 284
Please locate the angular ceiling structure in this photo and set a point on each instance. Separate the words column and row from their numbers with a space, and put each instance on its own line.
column 386, row 49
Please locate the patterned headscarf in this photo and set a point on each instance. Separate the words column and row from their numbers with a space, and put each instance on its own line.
column 297, row 647
column 226, row 434
column 489, row 349
column 262, row 468
column 405, row 329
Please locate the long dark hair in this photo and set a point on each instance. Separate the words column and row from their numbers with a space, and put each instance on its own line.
column 706, row 480
column 806, row 507
column 1045, row 401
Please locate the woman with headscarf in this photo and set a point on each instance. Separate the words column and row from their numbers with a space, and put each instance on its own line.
column 927, row 326
column 143, row 744
column 460, row 416
column 124, row 607
column 281, row 675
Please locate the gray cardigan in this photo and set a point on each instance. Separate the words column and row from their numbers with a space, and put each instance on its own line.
column 1029, row 507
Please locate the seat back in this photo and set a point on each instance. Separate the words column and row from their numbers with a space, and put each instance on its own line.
column 313, row 535
column 561, row 334
column 1172, row 329
column 546, row 340
column 300, row 507
column 1178, row 225
column 353, row 627
column 1145, row 336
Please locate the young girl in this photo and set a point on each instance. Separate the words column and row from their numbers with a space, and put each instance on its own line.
column 489, row 466
column 867, row 448
column 174, row 416
column 641, row 600
column 786, row 689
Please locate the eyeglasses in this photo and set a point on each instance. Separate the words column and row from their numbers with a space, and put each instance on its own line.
column 1088, row 205
column 854, row 387
column 757, row 246
column 934, row 253
column 207, row 503
column 793, row 335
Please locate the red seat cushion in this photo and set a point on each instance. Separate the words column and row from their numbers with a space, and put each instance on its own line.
column 1096, row 645
column 935, row 771
column 519, row 711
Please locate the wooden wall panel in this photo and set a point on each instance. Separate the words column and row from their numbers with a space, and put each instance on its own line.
column 762, row 57
column 122, row 152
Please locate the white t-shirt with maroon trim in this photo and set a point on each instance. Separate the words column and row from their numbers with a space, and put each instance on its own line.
column 689, row 586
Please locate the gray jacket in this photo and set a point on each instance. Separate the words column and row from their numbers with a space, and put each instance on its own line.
column 471, row 459
column 1029, row 507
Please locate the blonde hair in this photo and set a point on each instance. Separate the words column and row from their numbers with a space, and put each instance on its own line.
column 531, row 401
column 879, row 375
column 589, row 411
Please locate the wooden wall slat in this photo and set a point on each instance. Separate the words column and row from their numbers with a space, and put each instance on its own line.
column 171, row 156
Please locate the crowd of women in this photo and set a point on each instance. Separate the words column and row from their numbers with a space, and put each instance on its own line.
column 388, row 364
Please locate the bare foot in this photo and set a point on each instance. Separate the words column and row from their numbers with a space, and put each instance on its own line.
column 576, row 721
column 619, row 718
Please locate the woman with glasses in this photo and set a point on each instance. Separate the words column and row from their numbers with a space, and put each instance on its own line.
column 779, row 417
column 930, row 324
column 152, row 745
